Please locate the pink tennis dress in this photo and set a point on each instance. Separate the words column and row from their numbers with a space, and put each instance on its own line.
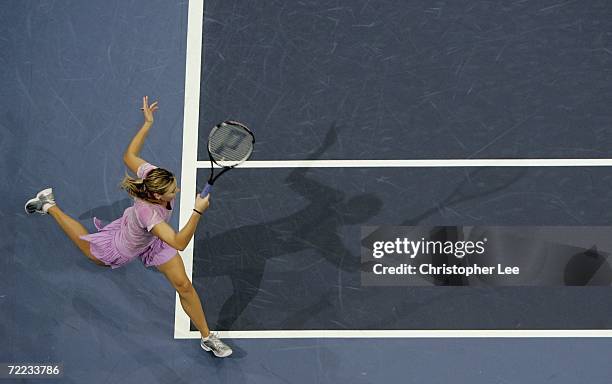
column 130, row 236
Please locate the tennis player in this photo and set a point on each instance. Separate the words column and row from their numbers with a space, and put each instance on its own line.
column 143, row 231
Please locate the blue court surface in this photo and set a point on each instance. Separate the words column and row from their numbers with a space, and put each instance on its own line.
column 452, row 117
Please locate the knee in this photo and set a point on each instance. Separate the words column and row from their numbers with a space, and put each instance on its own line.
column 183, row 287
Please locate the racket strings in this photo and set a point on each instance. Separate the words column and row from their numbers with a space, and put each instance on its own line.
column 230, row 144
column 239, row 154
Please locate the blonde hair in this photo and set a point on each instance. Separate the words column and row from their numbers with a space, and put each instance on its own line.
column 158, row 181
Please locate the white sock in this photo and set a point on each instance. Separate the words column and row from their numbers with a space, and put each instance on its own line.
column 46, row 207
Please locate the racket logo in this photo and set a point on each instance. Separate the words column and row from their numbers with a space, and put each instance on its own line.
column 234, row 139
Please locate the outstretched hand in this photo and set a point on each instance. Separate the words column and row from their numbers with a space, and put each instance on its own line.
column 148, row 110
column 202, row 203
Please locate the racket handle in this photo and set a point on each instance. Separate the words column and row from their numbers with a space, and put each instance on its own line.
column 206, row 190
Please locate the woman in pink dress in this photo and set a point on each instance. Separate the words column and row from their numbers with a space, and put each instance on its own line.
column 143, row 231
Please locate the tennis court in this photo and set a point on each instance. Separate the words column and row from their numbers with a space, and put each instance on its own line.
column 469, row 115
column 454, row 119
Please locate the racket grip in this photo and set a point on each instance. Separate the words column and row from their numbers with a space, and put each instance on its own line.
column 206, row 190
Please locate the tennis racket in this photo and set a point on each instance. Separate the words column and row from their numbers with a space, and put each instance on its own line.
column 230, row 143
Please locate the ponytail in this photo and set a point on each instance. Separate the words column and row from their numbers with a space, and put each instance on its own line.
column 135, row 187
column 158, row 180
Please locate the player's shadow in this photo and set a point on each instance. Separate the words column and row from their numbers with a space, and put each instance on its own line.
column 242, row 253
column 109, row 212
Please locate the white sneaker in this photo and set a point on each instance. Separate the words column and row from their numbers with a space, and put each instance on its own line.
column 41, row 203
column 214, row 344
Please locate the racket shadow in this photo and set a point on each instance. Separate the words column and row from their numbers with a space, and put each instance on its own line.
column 242, row 253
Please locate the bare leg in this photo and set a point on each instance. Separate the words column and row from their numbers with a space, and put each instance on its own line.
column 174, row 270
column 73, row 229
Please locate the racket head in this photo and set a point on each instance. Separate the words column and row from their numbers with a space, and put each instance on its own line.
column 230, row 143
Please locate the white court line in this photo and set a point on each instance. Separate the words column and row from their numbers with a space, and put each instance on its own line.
column 437, row 333
column 421, row 163
column 190, row 145
column 188, row 185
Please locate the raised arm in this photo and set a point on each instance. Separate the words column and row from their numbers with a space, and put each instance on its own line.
column 131, row 156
